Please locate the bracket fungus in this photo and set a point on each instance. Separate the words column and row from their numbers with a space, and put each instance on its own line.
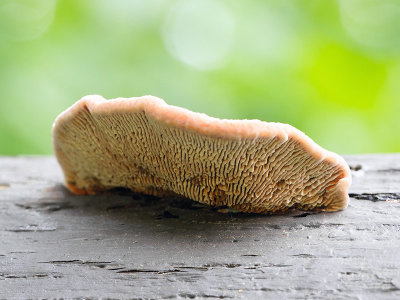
column 151, row 147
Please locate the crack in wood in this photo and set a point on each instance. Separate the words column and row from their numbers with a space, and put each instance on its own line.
column 229, row 265
column 175, row 269
column 129, row 271
column 304, row 255
column 27, row 276
column 207, row 267
column 375, row 197
column 194, row 268
column 76, row 261
column 201, row 295
column 98, row 264
column 48, row 206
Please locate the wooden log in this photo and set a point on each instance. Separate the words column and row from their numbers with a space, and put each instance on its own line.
column 123, row 245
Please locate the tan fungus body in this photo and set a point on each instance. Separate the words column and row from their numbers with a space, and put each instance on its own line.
column 148, row 146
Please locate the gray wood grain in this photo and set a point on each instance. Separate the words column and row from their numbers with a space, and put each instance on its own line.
column 122, row 245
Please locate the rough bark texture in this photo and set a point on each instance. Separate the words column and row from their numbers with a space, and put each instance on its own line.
column 125, row 245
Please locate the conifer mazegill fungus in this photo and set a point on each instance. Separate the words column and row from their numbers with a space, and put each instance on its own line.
column 150, row 147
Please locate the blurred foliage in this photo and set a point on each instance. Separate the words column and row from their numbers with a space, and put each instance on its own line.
column 330, row 68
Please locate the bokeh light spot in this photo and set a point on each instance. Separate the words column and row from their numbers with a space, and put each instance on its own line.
column 22, row 20
column 267, row 34
column 375, row 23
column 199, row 33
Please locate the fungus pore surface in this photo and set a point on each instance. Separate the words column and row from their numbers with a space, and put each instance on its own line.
column 150, row 147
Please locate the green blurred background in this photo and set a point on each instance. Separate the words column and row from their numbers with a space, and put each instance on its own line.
column 330, row 68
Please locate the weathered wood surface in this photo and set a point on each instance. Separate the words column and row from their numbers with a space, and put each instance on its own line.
column 121, row 245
